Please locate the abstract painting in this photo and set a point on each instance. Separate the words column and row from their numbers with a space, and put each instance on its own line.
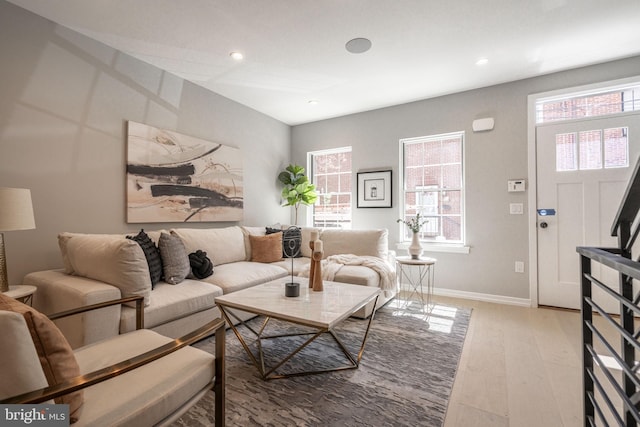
column 177, row 178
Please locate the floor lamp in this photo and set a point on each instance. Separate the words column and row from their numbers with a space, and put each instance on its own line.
column 16, row 213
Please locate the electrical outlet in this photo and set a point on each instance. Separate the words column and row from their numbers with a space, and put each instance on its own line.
column 519, row 267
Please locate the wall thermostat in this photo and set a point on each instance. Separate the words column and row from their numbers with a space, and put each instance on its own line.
column 516, row 185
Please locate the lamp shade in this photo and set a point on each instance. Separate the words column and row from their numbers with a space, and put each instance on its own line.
column 16, row 209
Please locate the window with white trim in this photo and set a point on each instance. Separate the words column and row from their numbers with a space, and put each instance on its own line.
column 602, row 102
column 330, row 171
column 433, row 186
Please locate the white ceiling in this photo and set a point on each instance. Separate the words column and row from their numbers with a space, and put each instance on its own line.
column 295, row 49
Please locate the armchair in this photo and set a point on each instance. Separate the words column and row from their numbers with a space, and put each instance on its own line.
column 140, row 378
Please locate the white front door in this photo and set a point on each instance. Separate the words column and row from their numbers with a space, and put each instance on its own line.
column 583, row 168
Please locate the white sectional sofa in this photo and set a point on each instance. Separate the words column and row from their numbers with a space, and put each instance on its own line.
column 103, row 267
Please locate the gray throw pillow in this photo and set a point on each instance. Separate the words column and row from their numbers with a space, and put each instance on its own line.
column 175, row 261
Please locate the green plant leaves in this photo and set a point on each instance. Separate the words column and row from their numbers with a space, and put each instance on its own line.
column 297, row 188
column 285, row 177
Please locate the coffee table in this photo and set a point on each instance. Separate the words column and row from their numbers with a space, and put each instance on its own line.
column 320, row 311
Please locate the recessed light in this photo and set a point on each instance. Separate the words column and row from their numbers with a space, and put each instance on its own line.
column 358, row 45
column 312, row 102
column 237, row 56
column 482, row 61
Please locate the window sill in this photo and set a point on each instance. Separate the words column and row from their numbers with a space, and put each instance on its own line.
column 435, row 247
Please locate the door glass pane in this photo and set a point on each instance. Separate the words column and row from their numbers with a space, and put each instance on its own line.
column 616, row 148
column 566, row 152
column 590, row 149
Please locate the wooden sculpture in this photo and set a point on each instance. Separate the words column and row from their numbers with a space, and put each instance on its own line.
column 314, row 237
column 316, row 264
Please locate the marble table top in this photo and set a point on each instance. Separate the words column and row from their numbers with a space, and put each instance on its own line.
column 322, row 310
column 419, row 261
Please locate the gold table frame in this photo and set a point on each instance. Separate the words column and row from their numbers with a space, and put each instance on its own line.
column 269, row 373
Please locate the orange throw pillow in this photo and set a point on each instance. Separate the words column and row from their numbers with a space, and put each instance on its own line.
column 56, row 357
column 266, row 248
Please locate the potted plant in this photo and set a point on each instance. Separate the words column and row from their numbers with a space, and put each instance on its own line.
column 414, row 224
column 297, row 188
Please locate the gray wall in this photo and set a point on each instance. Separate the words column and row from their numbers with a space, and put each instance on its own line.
column 496, row 238
column 64, row 103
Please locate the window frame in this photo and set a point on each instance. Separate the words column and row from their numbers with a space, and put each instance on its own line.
column 430, row 245
column 627, row 88
column 311, row 175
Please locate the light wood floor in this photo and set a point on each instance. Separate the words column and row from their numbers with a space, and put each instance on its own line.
column 519, row 367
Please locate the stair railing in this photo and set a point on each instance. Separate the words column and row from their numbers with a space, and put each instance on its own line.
column 611, row 397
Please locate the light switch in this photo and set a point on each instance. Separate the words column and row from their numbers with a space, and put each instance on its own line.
column 516, row 208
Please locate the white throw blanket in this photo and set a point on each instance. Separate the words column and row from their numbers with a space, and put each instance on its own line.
column 333, row 263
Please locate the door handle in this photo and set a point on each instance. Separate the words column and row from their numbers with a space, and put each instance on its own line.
column 543, row 224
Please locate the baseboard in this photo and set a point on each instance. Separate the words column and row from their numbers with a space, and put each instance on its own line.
column 498, row 299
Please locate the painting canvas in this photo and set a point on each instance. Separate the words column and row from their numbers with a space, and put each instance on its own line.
column 177, row 178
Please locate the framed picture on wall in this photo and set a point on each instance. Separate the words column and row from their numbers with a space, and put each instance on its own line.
column 374, row 189
column 173, row 177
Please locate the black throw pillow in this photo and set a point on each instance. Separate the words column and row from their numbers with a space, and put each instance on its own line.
column 291, row 241
column 201, row 265
column 152, row 254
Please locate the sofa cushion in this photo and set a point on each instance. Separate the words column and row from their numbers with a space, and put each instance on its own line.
column 222, row 245
column 171, row 302
column 305, row 249
column 152, row 254
column 114, row 260
column 298, row 264
column 266, row 248
column 240, row 275
column 63, row 241
column 175, row 261
column 55, row 354
column 356, row 242
column 357, row 275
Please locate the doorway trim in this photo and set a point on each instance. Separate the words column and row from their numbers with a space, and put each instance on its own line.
column 532, row 168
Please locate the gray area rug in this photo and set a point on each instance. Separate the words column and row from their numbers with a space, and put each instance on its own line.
column 404, row 379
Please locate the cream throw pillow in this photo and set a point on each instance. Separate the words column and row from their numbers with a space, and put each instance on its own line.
column 117, row 261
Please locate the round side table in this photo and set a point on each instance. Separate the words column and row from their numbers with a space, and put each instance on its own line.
column 22, row 293
column 426, row 272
